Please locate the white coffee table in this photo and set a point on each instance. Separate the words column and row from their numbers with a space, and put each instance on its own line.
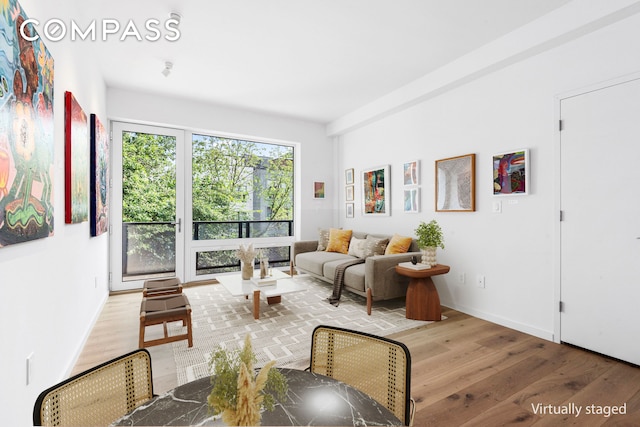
column 285, row 284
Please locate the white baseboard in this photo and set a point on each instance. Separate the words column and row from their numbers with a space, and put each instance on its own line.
column 522, row 327
column 85, row 338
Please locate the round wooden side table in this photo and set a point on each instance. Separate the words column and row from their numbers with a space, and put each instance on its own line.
column 423, row 302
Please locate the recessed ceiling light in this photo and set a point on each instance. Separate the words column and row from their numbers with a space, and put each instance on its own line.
column 176, row 16
column 167, row 68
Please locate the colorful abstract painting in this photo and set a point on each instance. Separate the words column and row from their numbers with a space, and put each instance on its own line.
column 318, row 190
column 76, row 173
column 375, row 191
column 99, row 177
column 411, row 172
column 26, row 131
column 510, row 173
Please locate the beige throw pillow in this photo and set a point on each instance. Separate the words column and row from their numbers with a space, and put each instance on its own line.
column 375, row 246
column 323, row 238
column 357, row 247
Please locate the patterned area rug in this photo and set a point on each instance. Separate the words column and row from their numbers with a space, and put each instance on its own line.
column 283, row 331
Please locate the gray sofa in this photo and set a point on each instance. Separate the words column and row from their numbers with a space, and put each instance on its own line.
column 375, row 279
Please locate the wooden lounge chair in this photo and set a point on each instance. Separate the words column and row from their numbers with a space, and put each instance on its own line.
column 158, row 287
column 162, row 310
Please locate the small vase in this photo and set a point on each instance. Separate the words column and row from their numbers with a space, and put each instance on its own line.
column 264, row 267
column 247, row 270
column 429, row 256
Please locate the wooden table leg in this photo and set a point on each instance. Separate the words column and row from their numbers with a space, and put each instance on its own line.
column 423, row 301
column 256, row 304
column 141, row 334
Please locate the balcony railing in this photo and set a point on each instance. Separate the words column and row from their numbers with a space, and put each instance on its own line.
column 149, row 247
column 209, row 230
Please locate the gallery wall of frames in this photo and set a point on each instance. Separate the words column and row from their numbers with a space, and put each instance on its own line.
column 27, row 81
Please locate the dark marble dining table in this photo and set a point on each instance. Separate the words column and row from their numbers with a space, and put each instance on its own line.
column 312, row 399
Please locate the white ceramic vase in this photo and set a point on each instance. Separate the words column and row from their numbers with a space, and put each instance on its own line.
column 429, row 256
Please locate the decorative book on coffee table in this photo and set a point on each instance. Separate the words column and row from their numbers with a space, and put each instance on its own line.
column 270, row 280
column 417, row 266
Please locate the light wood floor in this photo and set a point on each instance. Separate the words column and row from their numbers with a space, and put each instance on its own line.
column 465, row 371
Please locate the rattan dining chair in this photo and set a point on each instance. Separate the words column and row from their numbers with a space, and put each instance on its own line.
column 377, row 366
column 98, row 396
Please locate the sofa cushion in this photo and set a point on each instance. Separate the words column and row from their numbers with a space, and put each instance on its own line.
column 313, row 261
column 375, row 246
column 357, row 247
column 339, row 240
column 353, row 275
column 398, row 245
column 323, row 238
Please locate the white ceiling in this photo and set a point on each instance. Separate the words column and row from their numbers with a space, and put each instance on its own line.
column 311, row 59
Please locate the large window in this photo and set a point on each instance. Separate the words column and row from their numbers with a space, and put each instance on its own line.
column 240, row 189
column 184, row 202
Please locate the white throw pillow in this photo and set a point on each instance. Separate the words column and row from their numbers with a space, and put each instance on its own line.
column 357, row 247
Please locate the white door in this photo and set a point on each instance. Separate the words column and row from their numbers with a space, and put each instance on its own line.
column 147, row 205
column 600, row 231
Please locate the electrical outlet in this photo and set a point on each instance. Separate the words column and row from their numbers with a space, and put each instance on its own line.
column 461, row 278
column 480, row 281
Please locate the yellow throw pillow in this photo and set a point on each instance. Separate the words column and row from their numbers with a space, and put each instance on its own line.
column 398, row 245
column 339, row 240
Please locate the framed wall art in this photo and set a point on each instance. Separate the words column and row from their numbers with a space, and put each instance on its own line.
column 348, row 193
column 411, row 201
column 411, row 173
column 348, row 176
column 26, row 130
column 511, row 173
column 455, row 184
column 376, row 191
column 318, row 190
column 76, row 173
column 349, row 210
column 99, row 175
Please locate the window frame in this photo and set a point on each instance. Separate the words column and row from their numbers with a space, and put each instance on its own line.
column 192, row 247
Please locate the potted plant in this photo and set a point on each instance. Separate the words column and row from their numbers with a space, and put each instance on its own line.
column 238, row 392
column 429, row 238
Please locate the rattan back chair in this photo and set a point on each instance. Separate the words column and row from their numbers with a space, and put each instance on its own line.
column 377, row 366
column 98, row 396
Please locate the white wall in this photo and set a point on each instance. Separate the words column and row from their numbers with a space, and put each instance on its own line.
column 511, row 108
column 315, row 148
column 50, row 296
column 53, row 288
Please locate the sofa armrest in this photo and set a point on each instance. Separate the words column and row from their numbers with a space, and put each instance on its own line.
column 303, row 246
column 381, row 277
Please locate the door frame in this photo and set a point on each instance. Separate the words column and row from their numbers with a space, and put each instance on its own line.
column 557, row 167
column 115, row 210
